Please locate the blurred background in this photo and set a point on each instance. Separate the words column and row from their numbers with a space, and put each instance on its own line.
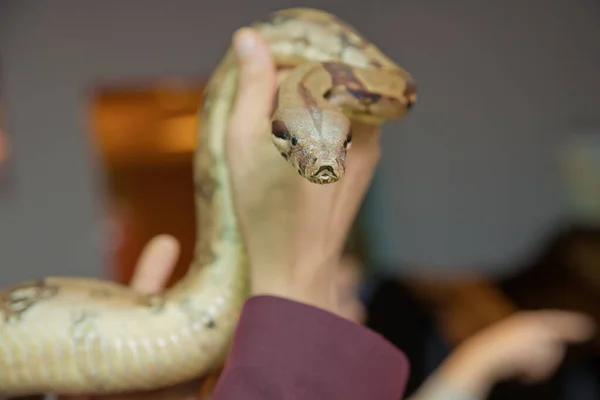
column 486, row 201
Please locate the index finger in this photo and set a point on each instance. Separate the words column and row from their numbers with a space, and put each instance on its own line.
column 568, row 326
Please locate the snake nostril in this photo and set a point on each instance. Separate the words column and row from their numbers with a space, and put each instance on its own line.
column 325, row 170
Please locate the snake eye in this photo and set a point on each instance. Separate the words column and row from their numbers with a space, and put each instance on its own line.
column 348, row 141
column 294, row 140
column 279, row 130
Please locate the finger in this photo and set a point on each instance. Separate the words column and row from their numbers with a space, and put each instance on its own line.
column 256, row 87
column 543, row 364
column 566, row 326
column 156, row 263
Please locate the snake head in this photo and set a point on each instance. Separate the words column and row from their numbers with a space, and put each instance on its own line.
column 314, row 142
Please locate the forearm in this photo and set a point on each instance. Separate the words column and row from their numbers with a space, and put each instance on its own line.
column 462, row 376
column 437, row 388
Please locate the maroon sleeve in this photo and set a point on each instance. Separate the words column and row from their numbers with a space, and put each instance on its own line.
column 285, row 350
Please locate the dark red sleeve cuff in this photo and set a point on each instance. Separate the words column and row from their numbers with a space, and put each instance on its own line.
column 288, row 350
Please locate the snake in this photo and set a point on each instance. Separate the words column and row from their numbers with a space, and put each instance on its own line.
column 79, row 335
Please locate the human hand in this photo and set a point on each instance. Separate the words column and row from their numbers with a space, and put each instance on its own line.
column 528, row 346
column 294, row 230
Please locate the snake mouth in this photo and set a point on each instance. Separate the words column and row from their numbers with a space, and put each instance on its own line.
column 324, row 175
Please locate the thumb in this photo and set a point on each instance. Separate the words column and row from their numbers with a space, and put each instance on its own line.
column 256, row 86
column 156, row 264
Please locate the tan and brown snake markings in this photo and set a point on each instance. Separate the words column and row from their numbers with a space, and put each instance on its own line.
column 17, row 300
column 77, row 335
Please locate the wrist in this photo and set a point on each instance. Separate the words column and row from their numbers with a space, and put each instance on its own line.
column 315, row 287
column 468, row 371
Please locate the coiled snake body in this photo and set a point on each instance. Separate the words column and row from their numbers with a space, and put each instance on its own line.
column 76, row 335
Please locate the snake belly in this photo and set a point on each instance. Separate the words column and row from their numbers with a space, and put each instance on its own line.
column 72, row 335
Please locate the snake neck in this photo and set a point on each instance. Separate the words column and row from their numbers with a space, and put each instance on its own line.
column 219, row 265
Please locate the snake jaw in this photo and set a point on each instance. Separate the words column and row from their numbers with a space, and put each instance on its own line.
column 324, row 176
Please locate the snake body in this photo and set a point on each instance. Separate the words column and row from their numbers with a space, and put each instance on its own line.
column 77, row 335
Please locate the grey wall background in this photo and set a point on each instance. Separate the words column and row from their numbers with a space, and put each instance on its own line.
column 469, row 178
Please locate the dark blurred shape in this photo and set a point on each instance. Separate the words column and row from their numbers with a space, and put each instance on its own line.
column 395, row 313
column 565, row 275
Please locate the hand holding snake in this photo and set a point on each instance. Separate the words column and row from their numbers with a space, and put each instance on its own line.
column 75, row 335
column 298, row 223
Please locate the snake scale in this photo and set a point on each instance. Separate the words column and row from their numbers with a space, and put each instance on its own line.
column 78, row 335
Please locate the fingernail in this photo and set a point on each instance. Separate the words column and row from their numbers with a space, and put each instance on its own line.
column 244, row 43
